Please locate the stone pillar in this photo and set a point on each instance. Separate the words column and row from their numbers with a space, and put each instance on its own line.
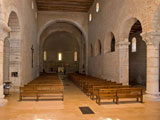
column 4, row 29
column 123, row 48
column 152, row 82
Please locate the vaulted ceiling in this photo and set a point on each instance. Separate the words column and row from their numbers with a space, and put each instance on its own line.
column 64, row 5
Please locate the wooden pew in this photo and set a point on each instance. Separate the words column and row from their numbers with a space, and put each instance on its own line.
column 95, row 89
column 29, row 91
column 119, row 93
column 44, row 86
column 129, row 93
column 53, row 91
column 105, row 94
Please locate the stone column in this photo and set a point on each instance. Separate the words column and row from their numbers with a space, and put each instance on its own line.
column 4, row 29
column 123, row 48
column 152, row 82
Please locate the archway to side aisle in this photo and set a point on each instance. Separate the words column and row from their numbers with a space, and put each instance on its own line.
column 12, row 53
column 65, row 40
column 137, row 56
column 155, row 53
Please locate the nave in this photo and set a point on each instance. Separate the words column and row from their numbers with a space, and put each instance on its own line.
column 69, row 108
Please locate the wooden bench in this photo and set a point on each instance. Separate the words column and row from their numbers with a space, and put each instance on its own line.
column 88, row 88
column 95, row 89
column 54, row 91
column 29, row 91
column 44, row 86
column 130, row 93
column 119, row 93
column 105, row 94
column 38, row 91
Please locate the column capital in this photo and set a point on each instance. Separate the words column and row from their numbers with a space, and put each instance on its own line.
column 4, row 29
column 151, row 37
column 125, row 42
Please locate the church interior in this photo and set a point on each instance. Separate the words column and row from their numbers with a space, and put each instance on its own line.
column 79, row 59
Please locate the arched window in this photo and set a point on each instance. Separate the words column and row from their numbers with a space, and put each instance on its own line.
column 90, row 17
column 134, row 45
column 45, row 55
column 97, row 7
column 113, row 43
column 75, row 56
column 60, row 56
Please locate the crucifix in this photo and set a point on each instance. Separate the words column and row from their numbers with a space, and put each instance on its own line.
column 32, row 50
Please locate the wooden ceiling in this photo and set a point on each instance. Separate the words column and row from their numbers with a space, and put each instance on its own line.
column 64, row 5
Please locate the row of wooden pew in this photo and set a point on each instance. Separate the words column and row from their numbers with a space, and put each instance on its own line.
column 46, row 86
column 100, row 89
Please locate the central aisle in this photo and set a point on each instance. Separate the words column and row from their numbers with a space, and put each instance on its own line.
column 69, row 108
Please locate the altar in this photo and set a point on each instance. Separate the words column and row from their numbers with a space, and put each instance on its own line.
column 60, row 69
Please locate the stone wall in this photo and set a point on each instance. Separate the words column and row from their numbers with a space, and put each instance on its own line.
column 117, row 16
column 26, row 36
column 61, row 42
column 69, row 19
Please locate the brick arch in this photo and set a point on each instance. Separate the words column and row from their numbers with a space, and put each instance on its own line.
column 126, row 27
column 143, row 14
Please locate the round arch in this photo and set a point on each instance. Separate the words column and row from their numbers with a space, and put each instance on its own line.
column 11, row 9
column 126, row 27
column 108, row 40
column 14, row 49
column 66, row 21
column 55, row 30
column 79, row 27
column 123, row 44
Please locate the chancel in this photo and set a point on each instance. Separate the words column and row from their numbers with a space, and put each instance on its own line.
column 79, row 59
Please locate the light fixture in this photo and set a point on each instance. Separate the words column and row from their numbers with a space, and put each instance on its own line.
column 97, row 7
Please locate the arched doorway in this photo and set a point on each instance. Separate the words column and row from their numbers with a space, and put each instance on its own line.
column 137, row 56
column 62, row 28
column 12, row 52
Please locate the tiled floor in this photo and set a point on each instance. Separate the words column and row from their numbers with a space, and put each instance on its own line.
column 69, row 109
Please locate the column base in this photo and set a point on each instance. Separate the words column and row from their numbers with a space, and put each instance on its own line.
column 152, row 97
column 3, row 102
